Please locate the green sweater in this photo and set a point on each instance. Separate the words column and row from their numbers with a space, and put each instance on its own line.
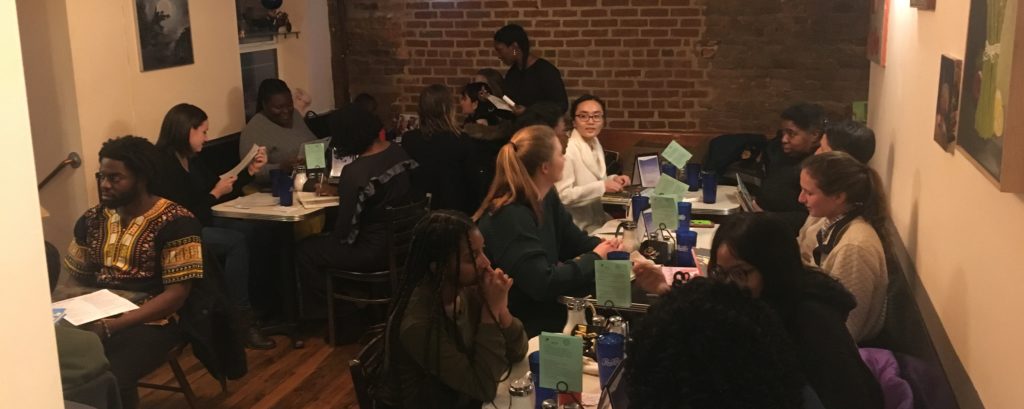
column 545, row 260
column 435, row 371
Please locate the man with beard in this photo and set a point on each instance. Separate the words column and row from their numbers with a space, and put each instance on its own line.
column 142, row 247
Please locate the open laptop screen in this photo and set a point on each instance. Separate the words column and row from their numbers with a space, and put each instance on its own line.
column 647, row 170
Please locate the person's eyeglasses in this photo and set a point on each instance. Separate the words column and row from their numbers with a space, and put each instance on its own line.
column 734, row 273
column 598, row 117
column 113, row 178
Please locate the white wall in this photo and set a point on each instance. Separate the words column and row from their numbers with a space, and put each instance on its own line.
column 28, row 350
column 965, row 236
column 85, row 84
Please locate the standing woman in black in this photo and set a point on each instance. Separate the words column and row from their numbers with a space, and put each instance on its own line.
column 529, row 79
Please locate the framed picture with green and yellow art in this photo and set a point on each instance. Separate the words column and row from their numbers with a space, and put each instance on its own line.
column 991, row 125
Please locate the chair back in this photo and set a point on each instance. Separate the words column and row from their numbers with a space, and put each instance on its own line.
column 363, row 367
column 402, row 222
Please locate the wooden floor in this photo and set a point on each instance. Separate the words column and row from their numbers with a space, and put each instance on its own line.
column 316, row 376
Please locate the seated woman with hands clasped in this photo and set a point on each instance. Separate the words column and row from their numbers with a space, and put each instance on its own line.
column 450, row 337
column 756, row 252
column 842, row 236
column 585, row 178
column 532, row 237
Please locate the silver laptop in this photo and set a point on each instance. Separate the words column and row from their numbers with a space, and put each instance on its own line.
column 746, row 201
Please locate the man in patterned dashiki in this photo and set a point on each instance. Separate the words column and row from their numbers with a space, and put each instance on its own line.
column 142, row 247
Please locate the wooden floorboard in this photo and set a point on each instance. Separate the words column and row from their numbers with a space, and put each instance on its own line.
column 314, row 377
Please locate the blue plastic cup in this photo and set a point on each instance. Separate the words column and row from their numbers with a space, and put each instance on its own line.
column 669, row 169
column 542, row 394
column 685, row 209
column 286, row 195
column 274, row 184
column 618, row 255
column 610, row 348
column 639, row 203
column 693, row 176
column 710, row 186
column 685, row 242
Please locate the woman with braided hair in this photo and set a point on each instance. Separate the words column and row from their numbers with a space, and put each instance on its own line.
column 450, row 337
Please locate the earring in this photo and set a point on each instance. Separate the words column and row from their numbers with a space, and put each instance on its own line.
column 515, row 52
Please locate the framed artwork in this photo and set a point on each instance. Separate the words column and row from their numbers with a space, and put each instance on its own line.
column 991, row 126
column 165, row 34
column 947, row 106
column 923, row 4
column 878, row 31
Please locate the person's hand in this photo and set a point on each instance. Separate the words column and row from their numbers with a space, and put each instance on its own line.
column 224, row 186
column 518, row 109
column 650, row 278
column 623, row 179
column 613, row 244
column 494, row 288
column 96, row 327
column 258, row 161
column 756, row 208
column 612, row 186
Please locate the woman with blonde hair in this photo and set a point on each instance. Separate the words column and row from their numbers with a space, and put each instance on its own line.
column 442, row 152
column 531, row 236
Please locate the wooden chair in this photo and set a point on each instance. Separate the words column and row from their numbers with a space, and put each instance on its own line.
column 362, row 368
column 179, row 375
column 402, row 220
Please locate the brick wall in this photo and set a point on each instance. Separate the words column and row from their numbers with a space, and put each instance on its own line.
column 710, row 65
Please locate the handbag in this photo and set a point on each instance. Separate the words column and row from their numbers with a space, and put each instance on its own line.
column 659, row 247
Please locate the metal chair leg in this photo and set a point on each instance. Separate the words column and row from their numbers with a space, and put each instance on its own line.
column 330, row 310
column 186, row 388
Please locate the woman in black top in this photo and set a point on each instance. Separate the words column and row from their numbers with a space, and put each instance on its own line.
column 529, row 79
column 188, row 182
column 531, row 236
column 377, row 179
column 442, row 153
column 756, row 252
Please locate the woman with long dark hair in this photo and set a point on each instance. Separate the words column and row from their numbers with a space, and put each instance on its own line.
column 530, row 79
column 531, row 235
column 442, row 152
column 757, row 252
column 190, row 183
column 450, row 337
column 844, row 233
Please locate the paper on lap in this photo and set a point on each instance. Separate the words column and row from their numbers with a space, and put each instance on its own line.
column 93, row 306
column 243, row 163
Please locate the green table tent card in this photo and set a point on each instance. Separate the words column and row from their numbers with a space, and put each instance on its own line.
column 612, row 282
column 315, row 153
column 561, row 362
column 676, row 154
column 668, row 186
column 665, row 211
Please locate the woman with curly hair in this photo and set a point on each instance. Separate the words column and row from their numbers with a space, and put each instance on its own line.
column 756, row 252
column 708, row 344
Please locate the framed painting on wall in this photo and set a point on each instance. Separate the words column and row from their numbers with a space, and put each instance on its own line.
column 878, row 31
column 947, row 106
column 165, row 33
column 923, row 4
column 991, row 126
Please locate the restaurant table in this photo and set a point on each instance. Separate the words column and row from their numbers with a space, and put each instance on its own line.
column 727, row 203
column 266, row 208
column 591, row 383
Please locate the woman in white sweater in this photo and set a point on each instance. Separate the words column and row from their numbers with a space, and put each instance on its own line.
column 585, row 179
column 843, row 234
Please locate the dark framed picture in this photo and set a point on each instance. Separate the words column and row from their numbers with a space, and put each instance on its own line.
column 947, row 106
column 923, row 4
column 878, row 31
column 991, row 125
column 165, row 34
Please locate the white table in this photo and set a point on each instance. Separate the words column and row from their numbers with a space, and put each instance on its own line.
column 727, row 202
column 591, row 383
column 263, row 206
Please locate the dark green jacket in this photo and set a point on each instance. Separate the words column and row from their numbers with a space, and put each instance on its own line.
column 546, row 260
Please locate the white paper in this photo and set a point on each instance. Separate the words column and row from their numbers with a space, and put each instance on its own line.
column 499, row 103
column 93, row 306
column 509, row 100
column 255, row 200
column 311, row 200
column 243, row 163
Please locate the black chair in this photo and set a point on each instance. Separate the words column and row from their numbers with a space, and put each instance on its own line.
column 378, row 286
column 179, row 375
column 363, row 367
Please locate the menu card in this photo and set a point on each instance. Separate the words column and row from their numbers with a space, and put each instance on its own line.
column 676, row 154
column 612, row 280
column 561, row 362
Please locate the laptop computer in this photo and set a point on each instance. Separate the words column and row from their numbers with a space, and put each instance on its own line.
column 746, row 201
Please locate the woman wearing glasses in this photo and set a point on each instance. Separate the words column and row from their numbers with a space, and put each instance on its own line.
column 756, row 252
column 584, row 179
